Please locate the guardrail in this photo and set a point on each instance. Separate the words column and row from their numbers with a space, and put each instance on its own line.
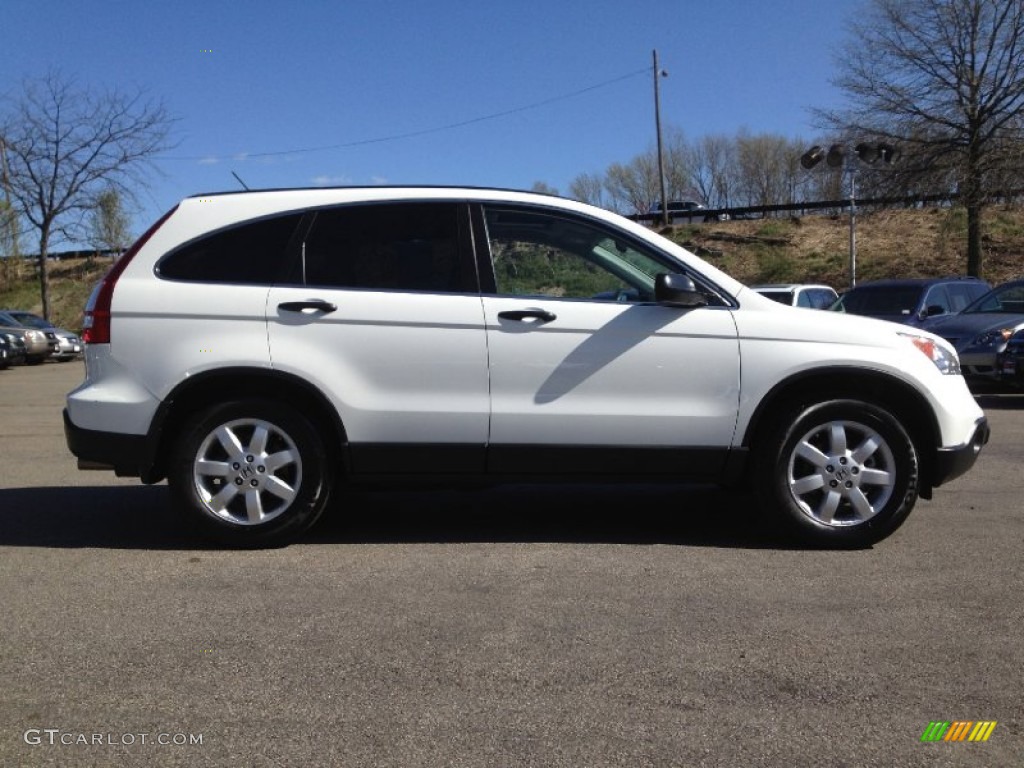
column 716, row 214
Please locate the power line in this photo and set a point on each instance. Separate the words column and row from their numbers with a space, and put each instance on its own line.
column 424, row 131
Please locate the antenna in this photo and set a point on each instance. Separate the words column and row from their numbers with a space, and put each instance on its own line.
column 240, row 180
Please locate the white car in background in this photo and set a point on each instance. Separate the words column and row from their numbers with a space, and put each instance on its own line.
column 809, row 295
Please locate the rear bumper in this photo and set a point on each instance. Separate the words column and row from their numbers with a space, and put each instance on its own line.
column 126, row 455
column 950, row 463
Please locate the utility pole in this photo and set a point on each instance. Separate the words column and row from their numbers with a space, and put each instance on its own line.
column 853, row 226
column 658, row 73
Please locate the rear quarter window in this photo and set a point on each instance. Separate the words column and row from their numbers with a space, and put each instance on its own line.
column 250, row 253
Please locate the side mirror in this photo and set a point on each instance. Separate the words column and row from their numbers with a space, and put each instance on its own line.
column 932, row 310
column 677, row 291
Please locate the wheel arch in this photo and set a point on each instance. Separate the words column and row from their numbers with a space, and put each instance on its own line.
column 898, row 397
column 206, row 389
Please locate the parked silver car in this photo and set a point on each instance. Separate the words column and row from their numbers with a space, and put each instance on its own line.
column 64, row 344
column 38, row 344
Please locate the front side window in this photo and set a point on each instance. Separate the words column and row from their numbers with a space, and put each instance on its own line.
column 396, row 246
column 542, row 254
column 937, row 297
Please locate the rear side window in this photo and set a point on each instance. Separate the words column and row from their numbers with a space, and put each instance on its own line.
column 398, row 247
column 882, row 300
column 962, row 294
column 252, row 253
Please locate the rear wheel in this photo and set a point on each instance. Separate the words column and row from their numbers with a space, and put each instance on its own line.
column 842, row 473
column 250, row 473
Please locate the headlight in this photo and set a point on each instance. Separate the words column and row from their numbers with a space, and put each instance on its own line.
column 944, row 357
column 991, row 338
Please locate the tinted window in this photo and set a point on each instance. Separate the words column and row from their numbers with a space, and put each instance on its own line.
column 30, row 321
column 882, row 300
column 403, row 246
column 962, row 294
column 937, row 297
column 253, row 253
column 783, row 297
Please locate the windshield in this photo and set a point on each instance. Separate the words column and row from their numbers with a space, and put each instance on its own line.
column 1006, row 298
column 29, row 320
column 880, row 300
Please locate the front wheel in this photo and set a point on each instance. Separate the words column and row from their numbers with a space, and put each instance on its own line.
column 842, row 473
column 250, row 473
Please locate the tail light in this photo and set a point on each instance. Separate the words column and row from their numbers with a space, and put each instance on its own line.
column 96, row 323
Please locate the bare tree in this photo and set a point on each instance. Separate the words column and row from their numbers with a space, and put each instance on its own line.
column 10, row 237
column 945, row 78
column 588, row 188
column 680, row 173
column 543, row 188
column 66, row 145
column 110, row 225
column 633, row 187
column 711, row 162
column 768, row 166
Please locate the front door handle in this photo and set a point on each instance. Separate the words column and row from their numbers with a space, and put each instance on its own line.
column 298, row 306
column 522, row 314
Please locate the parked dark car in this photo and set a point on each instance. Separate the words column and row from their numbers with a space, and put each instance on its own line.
column 16, row 353
column 982, row 330
column 911, row 301
column 1010, row 362
column 687, row 211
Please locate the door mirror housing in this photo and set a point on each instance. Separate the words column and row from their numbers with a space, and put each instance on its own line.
column 677, row 291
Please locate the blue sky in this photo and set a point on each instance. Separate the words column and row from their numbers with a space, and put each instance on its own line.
column 309, row 93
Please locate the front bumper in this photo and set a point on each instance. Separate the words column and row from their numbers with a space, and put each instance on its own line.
column 950, row 463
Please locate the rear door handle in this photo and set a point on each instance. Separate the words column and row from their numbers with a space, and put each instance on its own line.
column 522, row 314
column 298, row 306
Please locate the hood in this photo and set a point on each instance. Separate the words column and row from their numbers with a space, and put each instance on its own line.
column 960, row 325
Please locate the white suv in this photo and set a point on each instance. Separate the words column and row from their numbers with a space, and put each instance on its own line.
column 257, row 349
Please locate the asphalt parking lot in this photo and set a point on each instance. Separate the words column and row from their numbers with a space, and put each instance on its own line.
column 509, row 627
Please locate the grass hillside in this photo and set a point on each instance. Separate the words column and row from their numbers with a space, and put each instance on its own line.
column 71, row 281
column 922, row 242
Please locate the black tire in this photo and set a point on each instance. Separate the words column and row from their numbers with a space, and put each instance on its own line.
column 265, row 477
column 840, row 474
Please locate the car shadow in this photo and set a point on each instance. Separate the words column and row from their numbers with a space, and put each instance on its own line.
column 140, row 517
